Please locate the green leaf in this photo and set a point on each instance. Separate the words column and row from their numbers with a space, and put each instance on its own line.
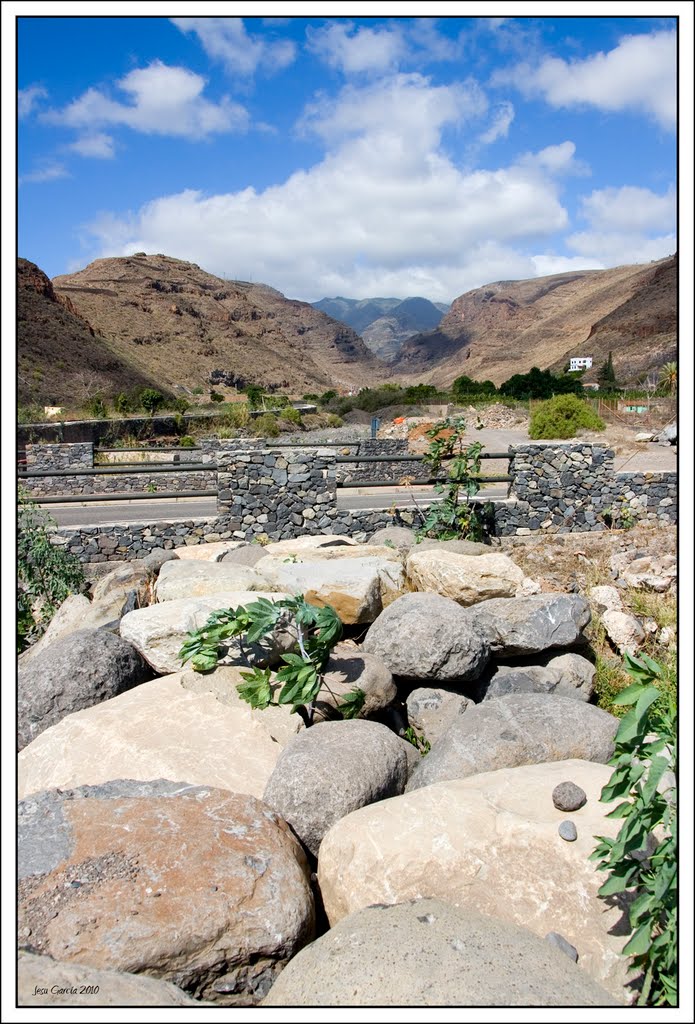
column 352, row 703
column 257, row 690
column 630, row 695
column 204, row 662
column 640, row 941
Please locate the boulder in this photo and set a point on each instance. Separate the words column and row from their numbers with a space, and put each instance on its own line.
column 67, row 619
column 623, row 630
column 431, row 710
column 669, row 435
column 513, row 626
column 244, row 554
column 159, row 631
column 332, row 769
column 604, row 598
column 131, row 576
column 185, row 579
column 154, row 561
column 488, row 844
column 358, row 588
column 77, row 671
column 430, row 953
column 163, row 729
column 455, row 547
column 466, row 579
column 331, row 552
column 429, row 637
column 348, row 668
column 400, row 537
column 526, row 728
column 307, row 545
column 212, row 552
column 42, row 981
column 568, row 675
column 193, row 885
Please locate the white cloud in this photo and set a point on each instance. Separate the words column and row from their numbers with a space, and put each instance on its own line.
column 99, row 146
column 354, row 52
column 164, row 100
column 227, row 41
column 385, row 212
column 28, row 98
column 547, row 264
column 638, row 75
column 626, row 225
column 502, row 117
column 50, row 171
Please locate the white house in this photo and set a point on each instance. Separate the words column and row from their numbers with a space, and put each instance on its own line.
column 581, row 363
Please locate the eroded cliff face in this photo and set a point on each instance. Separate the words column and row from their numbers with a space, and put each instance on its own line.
column 509, row 326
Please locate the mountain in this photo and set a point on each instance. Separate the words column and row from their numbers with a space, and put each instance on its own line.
column 507, row 327
column 385, row 323
column 176, row 324
column 61, row 359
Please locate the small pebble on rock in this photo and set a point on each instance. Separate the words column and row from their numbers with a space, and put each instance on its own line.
column 568, row 831
column 555, row 939
column 567, row 796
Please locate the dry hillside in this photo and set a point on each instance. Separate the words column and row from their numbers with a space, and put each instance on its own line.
column 61, row 360
column 177, row 323
column 508, row 327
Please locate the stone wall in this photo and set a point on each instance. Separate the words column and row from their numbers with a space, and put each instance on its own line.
column 347, row 472
column 138, row 482
column 44, row 457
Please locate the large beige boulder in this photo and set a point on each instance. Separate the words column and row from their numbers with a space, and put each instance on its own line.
column 200, row 887
column 42, row 981
column 358, row 588
column 159, row 631
column 212, row 552
column 131, row 576
column 489, row 843
column 67, row 619
column 191, row 578
column 160, row 730
column 308, row 545
column 467, row 579
column 430, row 953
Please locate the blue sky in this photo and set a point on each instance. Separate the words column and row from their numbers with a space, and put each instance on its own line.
column 345, row 155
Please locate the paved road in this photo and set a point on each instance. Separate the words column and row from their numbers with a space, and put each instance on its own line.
column 96, row 513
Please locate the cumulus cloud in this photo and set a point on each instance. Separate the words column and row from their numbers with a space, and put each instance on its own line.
column 626, row 225
column 355, row 51
column 638, row 75
column 163, row 100
column 100, row 146
column 227, row 41
column 385, row 212
column 28, row 99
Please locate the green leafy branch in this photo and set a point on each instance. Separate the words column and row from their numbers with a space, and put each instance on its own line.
column 645, row 751
column 455, row 515
column 315, row 631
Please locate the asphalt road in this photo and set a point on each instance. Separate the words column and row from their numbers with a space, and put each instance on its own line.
column 96, row 513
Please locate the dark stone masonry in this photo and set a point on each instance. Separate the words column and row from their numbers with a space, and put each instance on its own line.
column 276, row 492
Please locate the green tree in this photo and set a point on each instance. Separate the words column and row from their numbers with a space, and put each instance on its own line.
column 254, row 394
column 539, row 384
column 668, row 377
column 606, row 375
column 151, row 400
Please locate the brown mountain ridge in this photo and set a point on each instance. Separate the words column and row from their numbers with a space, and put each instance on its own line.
column 176, row 323
column 493, row 332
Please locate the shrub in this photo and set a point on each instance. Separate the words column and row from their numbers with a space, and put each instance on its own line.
column 333, row 421
column 562, row 417
column 46, row 573
column 642, row 869
column 254, row 394
column 121, row 403
column 97, row 407
column 455, row 515
column 181, row 405
column 238, row 415
column 215, row 396
column 265, row 426
column 315, row 632
column 187, row 441
column 291, row 415
column 151, row 400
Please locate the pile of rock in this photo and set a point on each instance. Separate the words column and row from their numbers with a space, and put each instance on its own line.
column 169, row 830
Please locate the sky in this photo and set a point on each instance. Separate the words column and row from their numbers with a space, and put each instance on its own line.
column 344, row 155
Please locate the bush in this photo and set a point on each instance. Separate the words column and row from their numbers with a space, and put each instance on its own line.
column 46, row 573
column 121, row 403
column 562, row 417
column 291, row 416
column 215, row 396
column 333, row 421
column 238, row 415
column 254, row 394
column 265, row 426
column 151, row 400
column 181, row 405
column 97, row 407
column 187, row 441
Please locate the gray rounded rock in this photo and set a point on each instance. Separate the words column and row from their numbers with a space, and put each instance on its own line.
column 332, row 769
column 567, row 830
column 427, row 636
column 245, row 554
column 568, row 796
column 527, row 625
column 457, row 547
column 154, row 561
column 526, row 728
column 400, row 537
column 430, row 953
column 75, row 672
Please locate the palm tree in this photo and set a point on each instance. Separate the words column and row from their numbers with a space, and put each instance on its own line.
column 668, row 377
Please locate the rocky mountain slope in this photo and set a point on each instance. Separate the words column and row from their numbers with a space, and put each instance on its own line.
column 60, row 357
column 385, row 324
column 175, row 323
column 509, row 326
